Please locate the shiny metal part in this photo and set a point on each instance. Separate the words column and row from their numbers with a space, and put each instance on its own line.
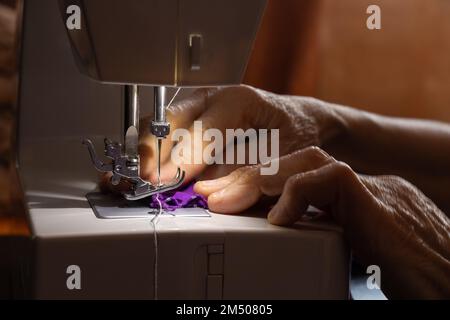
column 131, row 125
column 159, row 127
column 120, row 169
column 125, row 160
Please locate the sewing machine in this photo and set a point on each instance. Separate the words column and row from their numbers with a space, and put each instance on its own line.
column 105, row 249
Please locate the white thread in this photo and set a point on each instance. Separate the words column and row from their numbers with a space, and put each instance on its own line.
column 173, row 98
column 153, row 222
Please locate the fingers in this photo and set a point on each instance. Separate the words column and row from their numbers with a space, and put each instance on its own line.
column 334, row 185
column 244, row 187
column 233, row 193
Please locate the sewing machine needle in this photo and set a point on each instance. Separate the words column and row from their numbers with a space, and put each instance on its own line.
column 158, row 159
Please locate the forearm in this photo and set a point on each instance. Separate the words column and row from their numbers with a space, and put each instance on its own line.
column 410, row 277
column 418, row 151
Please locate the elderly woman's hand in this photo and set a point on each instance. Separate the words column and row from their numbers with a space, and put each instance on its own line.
column 301, row 122
column 386, row 220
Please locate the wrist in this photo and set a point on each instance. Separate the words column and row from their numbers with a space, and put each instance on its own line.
column 333, row 123
column 344, row 130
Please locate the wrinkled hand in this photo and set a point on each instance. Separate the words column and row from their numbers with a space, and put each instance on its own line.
column 300, row 121
column 386, row 220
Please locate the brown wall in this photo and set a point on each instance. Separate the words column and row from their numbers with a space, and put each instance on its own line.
column 323, row 48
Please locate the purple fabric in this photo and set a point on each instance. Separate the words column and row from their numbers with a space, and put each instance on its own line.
column 184, row 197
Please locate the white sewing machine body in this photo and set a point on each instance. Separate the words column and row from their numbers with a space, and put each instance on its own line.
column 216, row 257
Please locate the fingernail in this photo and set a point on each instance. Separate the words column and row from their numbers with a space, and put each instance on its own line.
column 218, row 196
column 216, row 183
column 207, row 183
column 272, row 216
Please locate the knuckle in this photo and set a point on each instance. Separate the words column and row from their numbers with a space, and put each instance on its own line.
column 396, row 179
column 313, row 157
column 294, row 181
column 239, row 172
column 202, row 93
column 315, row 154
column 248, row 173
column 243, row 89
column 399, row 183
column 292, row 187
column 246, row 93
column 344, row 171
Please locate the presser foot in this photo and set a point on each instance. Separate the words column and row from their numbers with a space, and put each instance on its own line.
column 147, row 189
column 126, row 168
